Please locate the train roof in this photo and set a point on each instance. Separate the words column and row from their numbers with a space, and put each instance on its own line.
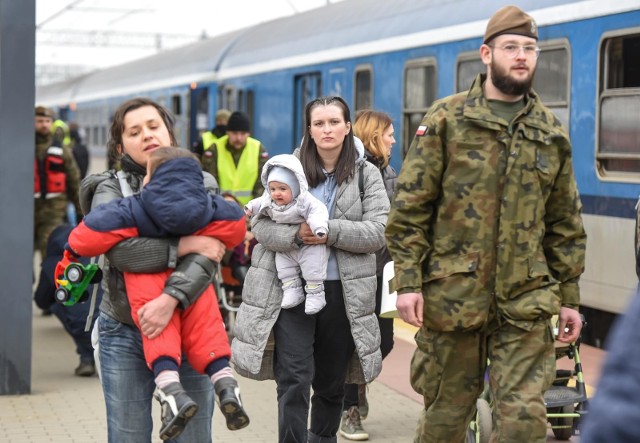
column 359, row 21
column 338, row 31
column 362, row 27
column 179, row 66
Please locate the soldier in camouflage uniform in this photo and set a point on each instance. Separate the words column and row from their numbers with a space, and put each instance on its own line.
column 57, row 180
column 488, row 244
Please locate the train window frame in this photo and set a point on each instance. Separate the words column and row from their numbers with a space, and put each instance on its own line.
column 228, row 97
column 604, row 93
column 176, row 104
column 464, row 57
column 554, row 45
column 365, row 68
column 407, row 112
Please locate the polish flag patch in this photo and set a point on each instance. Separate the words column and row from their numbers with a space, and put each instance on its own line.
column 421, row 130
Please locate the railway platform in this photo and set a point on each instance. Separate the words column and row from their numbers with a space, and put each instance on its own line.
column 70, row 409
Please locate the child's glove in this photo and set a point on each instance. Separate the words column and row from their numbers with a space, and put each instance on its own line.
column 67, row 258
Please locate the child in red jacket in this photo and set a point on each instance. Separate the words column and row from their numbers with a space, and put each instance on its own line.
column 173, row 202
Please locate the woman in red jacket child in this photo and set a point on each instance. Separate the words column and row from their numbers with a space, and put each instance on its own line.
column 173, row 203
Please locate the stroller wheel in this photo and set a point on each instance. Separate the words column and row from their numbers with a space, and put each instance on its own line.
column 562, row 427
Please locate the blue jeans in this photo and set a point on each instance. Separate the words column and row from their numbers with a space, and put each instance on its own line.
column 128, row 386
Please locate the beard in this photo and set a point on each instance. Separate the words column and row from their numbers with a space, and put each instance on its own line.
column 507, row 85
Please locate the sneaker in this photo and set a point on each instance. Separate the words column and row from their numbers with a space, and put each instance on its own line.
column 85, row 369
column 177, row 409
column 351, row 427
column 229, row 402
column 363, row 404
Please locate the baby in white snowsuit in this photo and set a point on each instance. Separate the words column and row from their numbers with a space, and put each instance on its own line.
column 286, row 199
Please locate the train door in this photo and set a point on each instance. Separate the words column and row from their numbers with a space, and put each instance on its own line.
column 307, row 87
column 199, row 113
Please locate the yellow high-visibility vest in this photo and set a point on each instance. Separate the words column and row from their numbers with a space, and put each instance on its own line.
column 239, row 180
column 65, row 130
column 208, row 139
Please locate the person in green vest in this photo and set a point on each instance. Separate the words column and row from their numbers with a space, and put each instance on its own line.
column 209, row 137
column 236, row 160
column 60, row 132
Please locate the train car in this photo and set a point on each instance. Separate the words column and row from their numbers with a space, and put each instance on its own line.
column 399, row 56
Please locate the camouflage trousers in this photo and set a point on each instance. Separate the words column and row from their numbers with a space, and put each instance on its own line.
column 448, row 369
column 49, row 215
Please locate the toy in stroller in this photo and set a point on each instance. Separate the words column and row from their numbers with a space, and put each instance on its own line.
column 566, row 400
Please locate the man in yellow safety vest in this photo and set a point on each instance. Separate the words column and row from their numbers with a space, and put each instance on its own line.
column 236, row 160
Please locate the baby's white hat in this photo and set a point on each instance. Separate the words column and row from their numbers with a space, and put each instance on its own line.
column 286, row 176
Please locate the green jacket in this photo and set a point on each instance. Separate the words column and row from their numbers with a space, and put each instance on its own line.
column 487, row 215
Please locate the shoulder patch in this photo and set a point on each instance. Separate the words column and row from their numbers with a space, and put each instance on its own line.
column 264, row 154
column 208, row 153
column 422, row 130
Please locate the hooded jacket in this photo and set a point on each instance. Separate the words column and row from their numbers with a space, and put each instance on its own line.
column 193, row 273
column 304, row 207
column 356, row 232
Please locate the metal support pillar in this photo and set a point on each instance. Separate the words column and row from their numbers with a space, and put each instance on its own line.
column 17, row 151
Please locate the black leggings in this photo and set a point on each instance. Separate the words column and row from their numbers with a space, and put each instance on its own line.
column 386, row 345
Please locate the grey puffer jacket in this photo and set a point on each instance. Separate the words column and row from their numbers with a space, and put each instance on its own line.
column 145, row 255
column 356, row 232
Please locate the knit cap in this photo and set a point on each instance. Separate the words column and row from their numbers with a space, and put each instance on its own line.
column 239, row 121
column 286, row 176
column 510, row 20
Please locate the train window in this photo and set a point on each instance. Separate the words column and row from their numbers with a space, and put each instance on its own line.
column 551, row 81
column 619, row 106
column 420, row 89
column 469, row 66
column 250, row 108
column 202, row 108
column 176, row 104
column 229, row 98
column 364, row 88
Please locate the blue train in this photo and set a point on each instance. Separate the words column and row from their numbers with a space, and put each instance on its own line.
column 399, row 56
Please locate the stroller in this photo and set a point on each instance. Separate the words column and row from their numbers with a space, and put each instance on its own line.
column 566, row 400
column 230, row 279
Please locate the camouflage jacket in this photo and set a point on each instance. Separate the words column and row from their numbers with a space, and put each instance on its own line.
column 486, row 216
column 72, row 174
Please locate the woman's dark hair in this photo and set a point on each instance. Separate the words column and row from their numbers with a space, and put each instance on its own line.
column 114, row 145
column 309, row 157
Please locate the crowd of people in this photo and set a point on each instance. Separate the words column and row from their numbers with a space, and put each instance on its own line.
column 483, row 225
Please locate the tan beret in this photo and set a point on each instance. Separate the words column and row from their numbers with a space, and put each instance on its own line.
column 223, row 114
column 510, row 20
column 43, row 111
